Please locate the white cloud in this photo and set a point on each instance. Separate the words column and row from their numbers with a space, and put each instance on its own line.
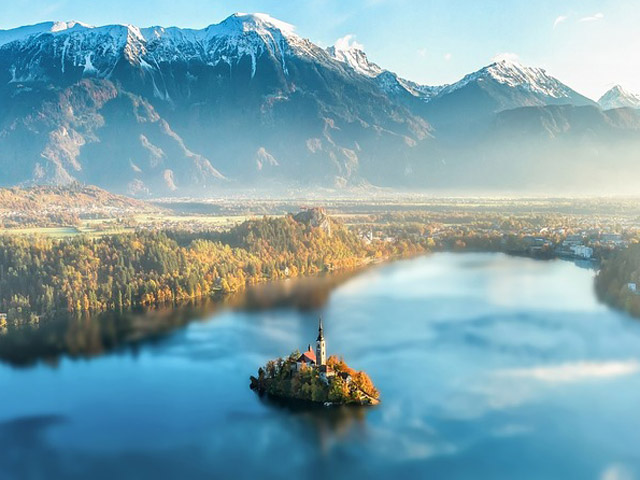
column 512, row 430
column 348, row 42
column 575, row 372
column 447, row 56
column 422, row 52
column 560, row 19
column 617, row 472
column 592, row 18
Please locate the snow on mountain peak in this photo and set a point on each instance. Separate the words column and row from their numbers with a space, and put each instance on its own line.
column 62, row 26
column 510, row 72
column 98, row 49
column 618, row 97
column 260, row 21
column 347, row 50
column 28, row 31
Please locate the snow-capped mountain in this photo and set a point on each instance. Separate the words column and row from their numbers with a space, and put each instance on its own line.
column 502, row 85
column 24, row 33
column 248, row 102
column 618, row 97
column 513, row 74
column 86, row 50
column 225, row 98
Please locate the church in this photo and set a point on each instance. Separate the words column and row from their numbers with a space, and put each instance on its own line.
column 317, row 359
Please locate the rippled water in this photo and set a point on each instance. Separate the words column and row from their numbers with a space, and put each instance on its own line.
column 489, row 367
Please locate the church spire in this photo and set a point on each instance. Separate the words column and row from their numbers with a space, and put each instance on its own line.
column 321, row 347
column 320, row 330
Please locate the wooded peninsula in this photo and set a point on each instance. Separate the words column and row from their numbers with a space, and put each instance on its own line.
column 618, row 280
column 41, row 276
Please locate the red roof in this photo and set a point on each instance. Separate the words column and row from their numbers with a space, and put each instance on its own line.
column 308, row 356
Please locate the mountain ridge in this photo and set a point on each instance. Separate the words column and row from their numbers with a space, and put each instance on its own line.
column 245, row 102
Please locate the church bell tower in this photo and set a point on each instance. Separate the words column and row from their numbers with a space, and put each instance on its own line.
column 321, row 348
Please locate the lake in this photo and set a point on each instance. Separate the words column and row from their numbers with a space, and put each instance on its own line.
column 489, row 366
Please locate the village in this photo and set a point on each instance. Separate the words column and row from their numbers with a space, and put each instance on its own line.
column 539, row 237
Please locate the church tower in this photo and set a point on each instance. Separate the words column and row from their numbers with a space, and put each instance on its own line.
column 321, row 348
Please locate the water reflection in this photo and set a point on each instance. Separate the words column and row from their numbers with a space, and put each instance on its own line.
column 86, row 336
column 24, row 448
column 489, row 367
column 327, row 424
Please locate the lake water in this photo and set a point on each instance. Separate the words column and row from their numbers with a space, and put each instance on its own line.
column 489, row 367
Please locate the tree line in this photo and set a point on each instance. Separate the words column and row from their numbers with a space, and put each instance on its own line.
column 40, row 276
column 618, row 281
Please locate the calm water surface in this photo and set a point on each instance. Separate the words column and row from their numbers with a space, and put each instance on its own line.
column 489, row 367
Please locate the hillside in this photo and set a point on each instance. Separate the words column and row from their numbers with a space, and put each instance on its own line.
column 64, row 204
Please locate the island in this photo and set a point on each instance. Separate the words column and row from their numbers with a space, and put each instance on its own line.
column 312, row 377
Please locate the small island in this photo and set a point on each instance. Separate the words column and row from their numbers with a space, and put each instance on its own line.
column 311, row 376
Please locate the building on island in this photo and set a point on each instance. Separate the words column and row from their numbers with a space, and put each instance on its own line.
column 307, row 359
column 317, row 359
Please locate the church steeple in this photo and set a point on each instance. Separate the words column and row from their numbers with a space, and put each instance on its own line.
column 321, row 348
column 320, row 330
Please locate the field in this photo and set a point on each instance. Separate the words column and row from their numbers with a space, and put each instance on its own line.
column 97, row 227
column 56, row 232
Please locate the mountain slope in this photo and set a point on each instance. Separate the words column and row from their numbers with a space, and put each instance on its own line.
column 553, row 149
column 91, row 130
column 390, row 83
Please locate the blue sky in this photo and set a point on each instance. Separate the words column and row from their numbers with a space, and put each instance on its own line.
column 589, row 44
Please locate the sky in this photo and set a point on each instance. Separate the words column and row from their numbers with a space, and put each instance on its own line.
column 591, row 45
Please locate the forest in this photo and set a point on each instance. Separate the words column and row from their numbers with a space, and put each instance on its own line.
column 40, row 276
column 618, row 281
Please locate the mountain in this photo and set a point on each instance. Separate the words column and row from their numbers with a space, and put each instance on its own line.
column 618, row 97
column 160, row 110
column 249, row 103
column 512, row 85
column 502, row 85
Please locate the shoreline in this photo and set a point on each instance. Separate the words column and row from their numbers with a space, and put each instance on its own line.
column 251, row 296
